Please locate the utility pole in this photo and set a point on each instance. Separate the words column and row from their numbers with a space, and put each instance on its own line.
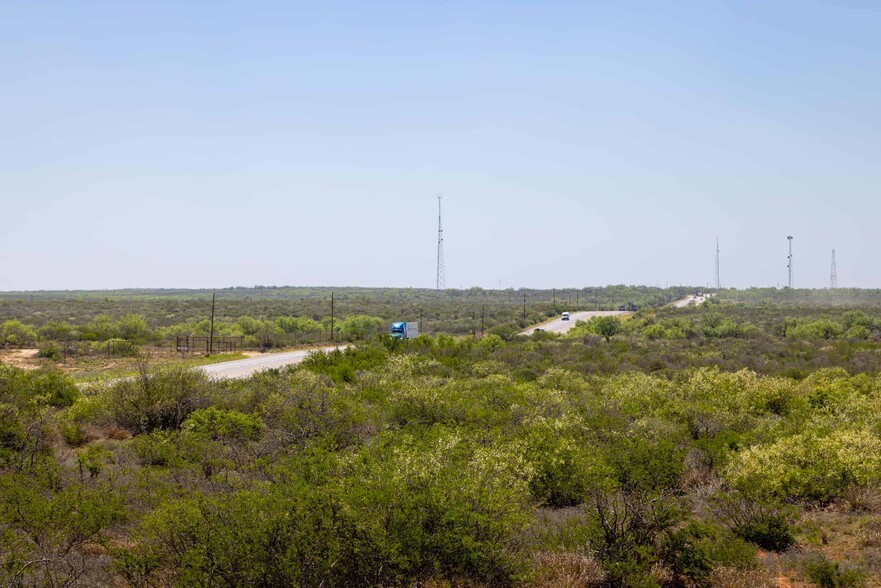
column 331, row 317
column 596, row 293
column 211, row 334
column 555, row 298
column 718, row 281
column 833, row 274
column 524, row 306
column 576, row 300
column 441, row 278
column 789, row 264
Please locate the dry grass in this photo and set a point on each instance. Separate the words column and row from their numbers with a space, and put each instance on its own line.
column 734, row 578
column 869, row 533
column 861, row 498
column 567, row 570
column 118, row 434
column 851, row 537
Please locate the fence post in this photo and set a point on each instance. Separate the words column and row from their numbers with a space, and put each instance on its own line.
column 211, row 336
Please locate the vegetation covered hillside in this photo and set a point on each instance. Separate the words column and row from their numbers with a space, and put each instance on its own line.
column 722, row 445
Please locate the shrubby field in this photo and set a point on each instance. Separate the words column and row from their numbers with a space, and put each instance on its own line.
column 78, row 328
column 725, row 445
column 303, row 314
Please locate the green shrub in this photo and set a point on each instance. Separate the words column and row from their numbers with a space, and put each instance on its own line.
column 819, row 329
column 58, row 331
column 12, row 433
column 157, row 399
column 606, row 326
column 298, row 324
column 48, row 531
column 133, row 327
column 655, row 331
column 50, row 350
column 93, row 459
column 559, row 464
column 761, row 521
column 814, row 464
column 343, row 364
column 828, row 574
column 355, row 327
column 17, row 334
column 397, row 513
column 857, row 332
column 44, row 386
column 855, row 318
column 507, row 332
column 172, row 449
column 73, row 433
column 772, row 532
column 642, row 465
column 101, row 328
column 224, row 424
column 685, row 555
column 304, row 406
column 490, row 343
column 116, row 347
column 694, row 551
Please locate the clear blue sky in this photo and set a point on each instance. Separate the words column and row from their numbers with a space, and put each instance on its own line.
column 208, row 144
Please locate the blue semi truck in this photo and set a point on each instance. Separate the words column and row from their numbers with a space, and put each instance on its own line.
column 405, row 330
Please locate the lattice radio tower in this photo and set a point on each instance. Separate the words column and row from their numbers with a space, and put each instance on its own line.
column 441, row 285
column 718, row 280
column 789, row 261
column 833, row 275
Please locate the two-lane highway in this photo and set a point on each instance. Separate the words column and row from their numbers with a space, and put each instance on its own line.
column 558, row 325
column 243, row 368
column 691, row 300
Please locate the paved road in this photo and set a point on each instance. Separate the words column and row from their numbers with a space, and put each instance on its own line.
column 558, row 325
column 243, row 368
column 690, row 300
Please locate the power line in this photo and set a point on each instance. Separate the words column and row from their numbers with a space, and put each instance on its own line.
column 441, row 279
column 833, row 274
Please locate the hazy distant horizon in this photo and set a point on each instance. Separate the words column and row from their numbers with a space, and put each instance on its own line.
column 185, row 145
column 328, row 288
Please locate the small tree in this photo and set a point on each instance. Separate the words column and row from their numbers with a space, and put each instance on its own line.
column 298, row 324
column 360, row 326
column 607, row 326
column 101, row 328
column 16, row 333
column 133, row 327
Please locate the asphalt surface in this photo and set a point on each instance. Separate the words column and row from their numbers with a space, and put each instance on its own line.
column 690, row 300
column 243, row 368
column 558, row 325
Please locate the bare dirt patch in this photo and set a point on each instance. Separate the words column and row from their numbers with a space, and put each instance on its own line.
column 21, row 358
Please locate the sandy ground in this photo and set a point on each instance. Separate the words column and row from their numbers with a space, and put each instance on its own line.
column 21, row 358
column 84, row 366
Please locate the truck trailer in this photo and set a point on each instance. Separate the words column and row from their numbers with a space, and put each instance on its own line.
column 405, row 330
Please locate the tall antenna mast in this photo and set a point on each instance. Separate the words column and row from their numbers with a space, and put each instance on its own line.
column 718, row 281
column 789, row 262
column 441, row 285
column 833, row 275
